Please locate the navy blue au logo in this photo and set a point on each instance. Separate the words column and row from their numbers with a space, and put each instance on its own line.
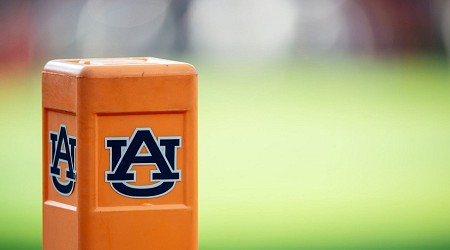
column 63, row 150
column 127, row 152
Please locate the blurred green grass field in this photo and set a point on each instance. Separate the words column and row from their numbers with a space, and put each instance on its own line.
column 347, row 154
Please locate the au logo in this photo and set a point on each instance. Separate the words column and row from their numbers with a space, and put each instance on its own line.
column 63, row 150
column 127, row 152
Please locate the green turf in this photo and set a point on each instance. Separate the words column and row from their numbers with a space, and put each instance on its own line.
column 343, row 154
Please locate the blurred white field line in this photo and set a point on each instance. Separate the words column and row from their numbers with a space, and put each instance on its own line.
column 120, row 27
column 277, row 28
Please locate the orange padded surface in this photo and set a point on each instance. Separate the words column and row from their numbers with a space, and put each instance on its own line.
column 99, row 102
